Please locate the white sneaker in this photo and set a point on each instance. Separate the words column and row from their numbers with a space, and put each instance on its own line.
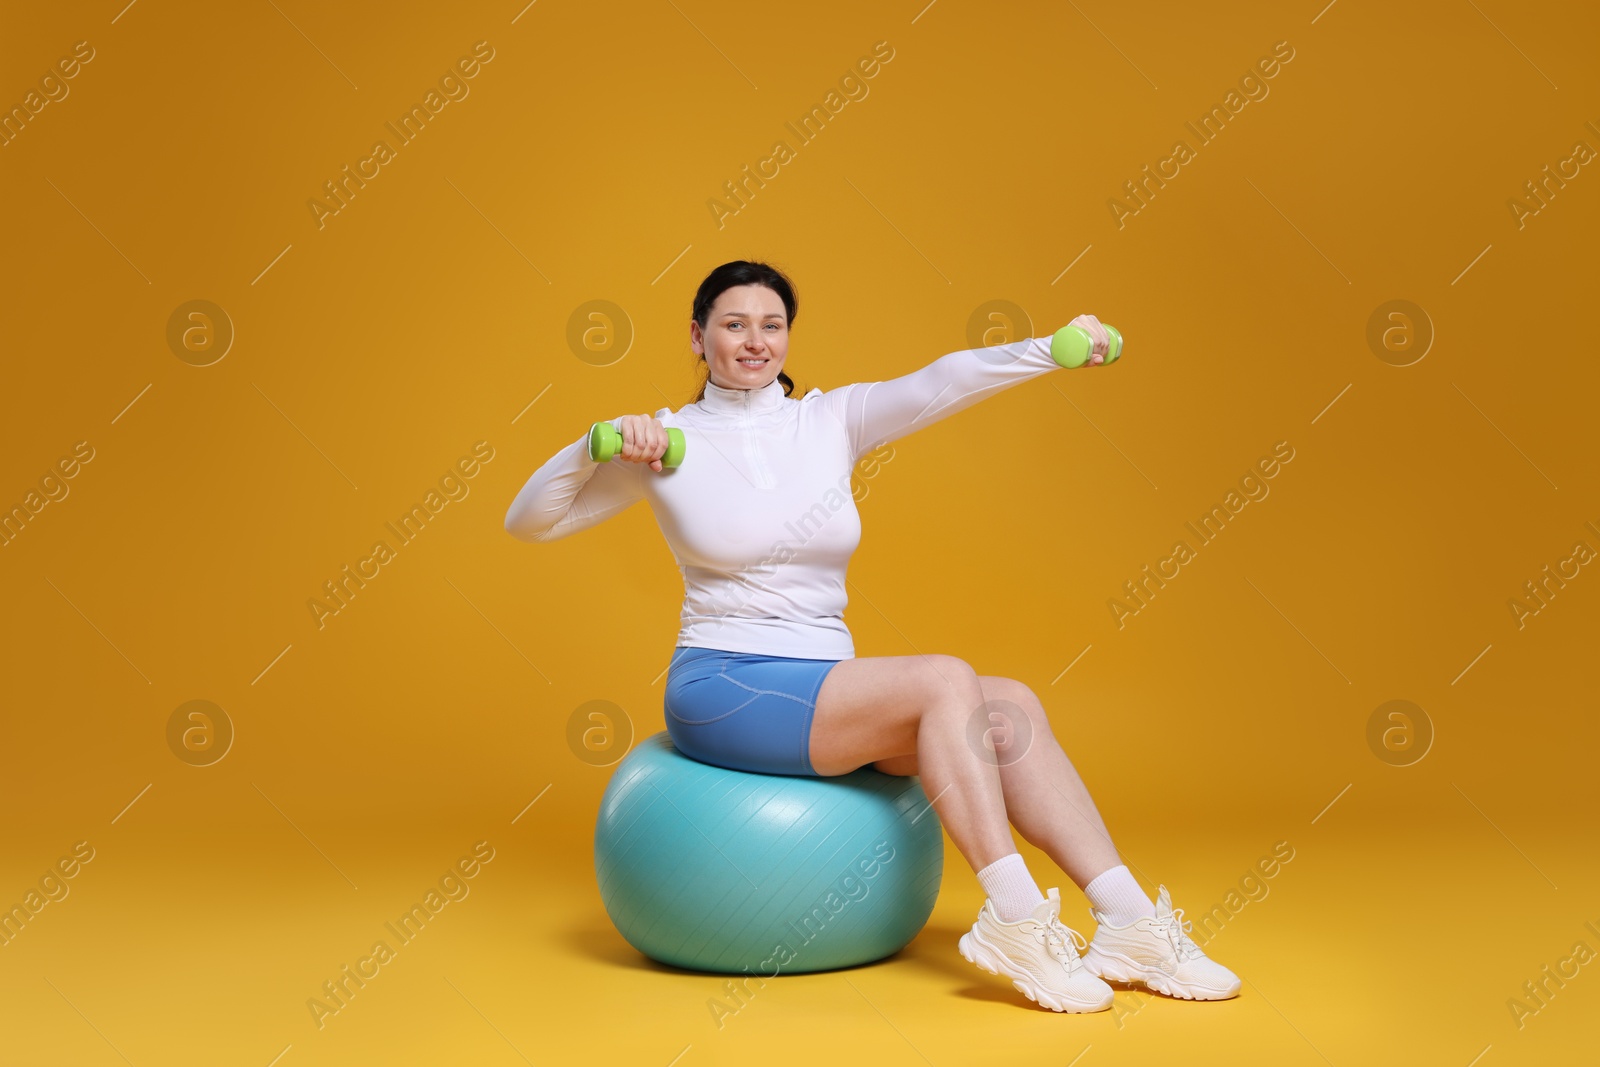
column 1040, row 956
column 1158, row 954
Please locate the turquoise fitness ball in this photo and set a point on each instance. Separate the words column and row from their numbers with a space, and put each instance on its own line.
column 732, row 872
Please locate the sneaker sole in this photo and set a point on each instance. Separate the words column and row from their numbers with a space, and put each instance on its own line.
column 1121, row 969
column 986, row 958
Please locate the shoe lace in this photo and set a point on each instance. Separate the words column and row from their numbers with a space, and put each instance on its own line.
column 1056, row 936
column 1176, row 930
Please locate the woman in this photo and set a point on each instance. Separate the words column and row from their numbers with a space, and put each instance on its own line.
column 765, row 678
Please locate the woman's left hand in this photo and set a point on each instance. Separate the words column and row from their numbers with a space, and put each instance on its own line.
column 1100, row 340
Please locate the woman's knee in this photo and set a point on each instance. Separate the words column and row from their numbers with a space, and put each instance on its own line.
column 952, row 683
column 1013, row 716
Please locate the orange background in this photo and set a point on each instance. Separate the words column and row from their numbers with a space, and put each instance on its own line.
column 432, row 310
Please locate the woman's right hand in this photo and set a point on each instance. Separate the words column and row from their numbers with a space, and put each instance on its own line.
column 644, row 440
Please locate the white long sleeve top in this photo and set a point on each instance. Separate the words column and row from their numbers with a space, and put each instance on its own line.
column 760, row 515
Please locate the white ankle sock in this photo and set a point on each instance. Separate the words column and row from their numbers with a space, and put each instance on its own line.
column 1007, row 882
column 1116, row 895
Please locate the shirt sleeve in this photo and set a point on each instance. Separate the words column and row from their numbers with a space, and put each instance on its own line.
column 875, row 413
column 572, row 492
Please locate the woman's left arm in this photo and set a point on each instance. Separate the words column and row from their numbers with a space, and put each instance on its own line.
column 875, row 413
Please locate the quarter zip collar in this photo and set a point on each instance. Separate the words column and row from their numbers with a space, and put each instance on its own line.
column 743, row 401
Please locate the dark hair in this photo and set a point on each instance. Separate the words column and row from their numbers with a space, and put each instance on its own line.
column 742, row 272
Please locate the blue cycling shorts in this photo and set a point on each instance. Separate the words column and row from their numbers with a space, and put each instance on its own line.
column 743, row 710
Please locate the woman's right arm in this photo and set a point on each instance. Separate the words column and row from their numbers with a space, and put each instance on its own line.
column 572, row 492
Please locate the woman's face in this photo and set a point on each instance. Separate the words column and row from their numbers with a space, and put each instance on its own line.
column 747, row 322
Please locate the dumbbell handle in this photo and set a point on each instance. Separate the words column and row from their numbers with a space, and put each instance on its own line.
column 605, row 443
column 1072, row 346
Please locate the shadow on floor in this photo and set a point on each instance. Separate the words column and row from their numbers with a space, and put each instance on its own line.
column 933, row 948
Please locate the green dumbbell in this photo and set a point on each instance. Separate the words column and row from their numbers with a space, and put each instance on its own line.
column 1072, row 346
column 605, row 443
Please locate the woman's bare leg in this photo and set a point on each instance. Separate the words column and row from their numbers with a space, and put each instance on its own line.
column 1044, row 796
column 886, row 708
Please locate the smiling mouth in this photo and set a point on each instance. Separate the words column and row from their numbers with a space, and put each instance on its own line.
column 752, row 362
